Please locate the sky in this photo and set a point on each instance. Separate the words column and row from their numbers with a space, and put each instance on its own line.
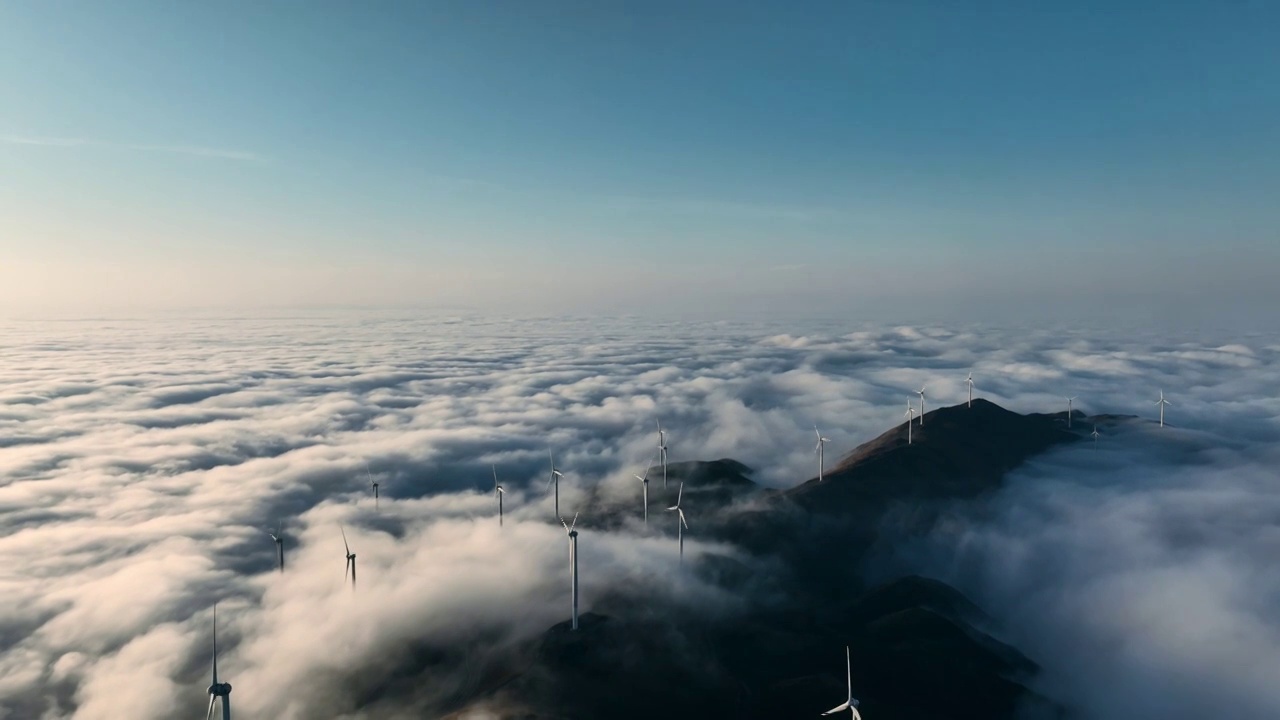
column 852, row 159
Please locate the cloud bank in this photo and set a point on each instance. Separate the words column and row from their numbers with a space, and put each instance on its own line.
column 142, row 461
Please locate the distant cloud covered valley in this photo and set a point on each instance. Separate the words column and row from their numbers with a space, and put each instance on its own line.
column 144, row 462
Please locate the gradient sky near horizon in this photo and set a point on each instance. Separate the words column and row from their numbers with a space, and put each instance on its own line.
column 917, row 158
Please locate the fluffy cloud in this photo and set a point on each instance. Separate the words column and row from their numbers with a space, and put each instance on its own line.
column 141, row 463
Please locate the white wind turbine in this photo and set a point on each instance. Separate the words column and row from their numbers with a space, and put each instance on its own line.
column 970, row 381
column 372, row 484
column 499, row 491
column 278, row 537
column 644, row 481
column 818, row 449
column 217, row 689
column 1069, row 409
column 1095, row 437
column 851, row 704
column 555, row 480
column 573, row 563
column 662, row 452
column 351, row 561
column 911, row 411
column 682, row 524
column 920, row 392
column 1162, row 402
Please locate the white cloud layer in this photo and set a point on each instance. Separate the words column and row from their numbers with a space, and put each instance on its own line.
column 142, row 461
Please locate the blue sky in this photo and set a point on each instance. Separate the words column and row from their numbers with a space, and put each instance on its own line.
column 857, row 156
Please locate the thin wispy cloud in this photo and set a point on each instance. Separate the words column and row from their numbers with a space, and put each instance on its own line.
column 200, row 151
column 722, row 208
column 42, row 141
column 192, row 150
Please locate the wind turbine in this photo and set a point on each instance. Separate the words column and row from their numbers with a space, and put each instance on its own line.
column 1069, row 401
column 499, row 491
column 662, row 452
column 683, row 524
column 573, row 563
column 970, row 381
column 351, row 561
column 555, row 480
column 217, row 689
column 910, row 414
column 851, row 704
column 372, row 483
column 821, row 441
column 1095, row 437
column 645, row 482
column 1162, row 402
column 920, row 392
column 278, row 537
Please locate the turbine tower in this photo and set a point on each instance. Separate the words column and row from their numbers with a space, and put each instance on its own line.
column 911, row 411
column 1069, row 401
column 970, row 381
column 573, row 563
column 372, row 484
column 1095, row 437
column 1162, row 402
column 851, row 704
column 920, row 392
column 682, row 524
column 499, row 491
column 351, row 561
column 555, row 480
column 217, row 689
column 644, row 481
column 278, row 537
column 662, row 452
column 821, row 441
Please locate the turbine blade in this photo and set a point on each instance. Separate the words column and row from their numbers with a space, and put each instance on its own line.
column 344, row 539
column 574, row 524
column 215, row 643
column 838, row 708
column 686, row 522
column 848, row 667
column 212, row 699
column 680, row 495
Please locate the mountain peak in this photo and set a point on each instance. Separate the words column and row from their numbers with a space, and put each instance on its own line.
column 958, row 451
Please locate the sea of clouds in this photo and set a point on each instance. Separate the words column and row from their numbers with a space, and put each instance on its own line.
column 142, row 462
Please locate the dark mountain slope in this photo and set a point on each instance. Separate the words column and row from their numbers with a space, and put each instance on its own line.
column 917, row 648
